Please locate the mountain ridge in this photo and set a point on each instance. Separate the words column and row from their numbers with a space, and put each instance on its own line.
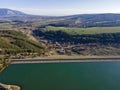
column 4, row 12
column 79, row 20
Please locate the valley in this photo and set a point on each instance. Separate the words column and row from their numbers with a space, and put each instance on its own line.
column 30, row 36
column 59, row 45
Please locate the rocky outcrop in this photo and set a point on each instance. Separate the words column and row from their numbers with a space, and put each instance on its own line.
column 9, row 87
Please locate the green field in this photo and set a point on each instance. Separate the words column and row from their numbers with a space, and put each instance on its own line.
column 79, row 31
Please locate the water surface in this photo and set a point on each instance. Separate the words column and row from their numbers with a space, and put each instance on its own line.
column 64, row 76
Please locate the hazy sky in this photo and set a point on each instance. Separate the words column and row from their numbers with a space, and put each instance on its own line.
column 62, row 7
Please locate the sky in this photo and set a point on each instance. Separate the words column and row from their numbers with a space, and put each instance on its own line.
column 62, row 7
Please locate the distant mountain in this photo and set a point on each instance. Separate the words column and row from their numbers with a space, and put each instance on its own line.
column 89, row 20
column 82, row 20
column 9, row 13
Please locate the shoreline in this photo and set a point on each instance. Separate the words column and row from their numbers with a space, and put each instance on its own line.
column 3, row 69
column 62, row 60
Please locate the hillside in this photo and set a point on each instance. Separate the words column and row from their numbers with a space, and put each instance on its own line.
column 82, row 41
column 16, row 44
column 89, row 20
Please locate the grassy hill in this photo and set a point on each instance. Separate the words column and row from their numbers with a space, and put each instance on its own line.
column 103, row 35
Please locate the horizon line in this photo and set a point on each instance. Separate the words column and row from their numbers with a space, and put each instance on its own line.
column 22, row 11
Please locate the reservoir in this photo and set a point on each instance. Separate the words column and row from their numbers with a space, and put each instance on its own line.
column 64, row 76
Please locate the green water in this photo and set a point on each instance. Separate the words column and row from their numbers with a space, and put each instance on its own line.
column 64, row 76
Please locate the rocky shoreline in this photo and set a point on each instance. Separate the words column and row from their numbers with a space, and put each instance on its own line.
column 9, row 87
